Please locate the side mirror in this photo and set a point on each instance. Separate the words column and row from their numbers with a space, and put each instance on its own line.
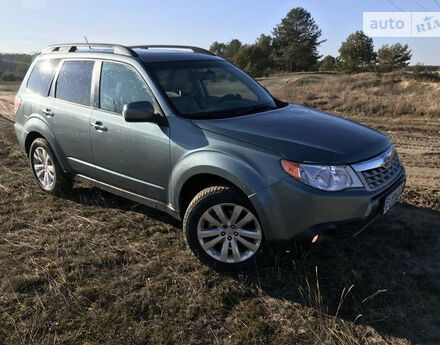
column 139, row 112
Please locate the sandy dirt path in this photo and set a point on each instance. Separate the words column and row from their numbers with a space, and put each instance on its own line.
column 7, row 94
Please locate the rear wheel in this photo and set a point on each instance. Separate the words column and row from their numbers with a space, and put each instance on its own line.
column 222, row 229
column 47, row 171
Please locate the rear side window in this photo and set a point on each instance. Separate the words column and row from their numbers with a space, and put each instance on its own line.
column 120, row 85
column 42, row 76
column 74, row 81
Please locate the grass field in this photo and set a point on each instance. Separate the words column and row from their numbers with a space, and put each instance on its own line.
column 92, row 268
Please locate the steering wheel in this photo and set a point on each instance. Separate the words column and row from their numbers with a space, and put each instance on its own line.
column 229, row 97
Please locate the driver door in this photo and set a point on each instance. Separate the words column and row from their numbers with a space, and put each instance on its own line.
column 130, row 156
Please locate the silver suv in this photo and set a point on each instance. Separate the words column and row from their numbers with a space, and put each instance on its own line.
column 187, row 132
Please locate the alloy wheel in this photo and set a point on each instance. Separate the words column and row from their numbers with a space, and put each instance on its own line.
column 229, row 233
column 43, row 167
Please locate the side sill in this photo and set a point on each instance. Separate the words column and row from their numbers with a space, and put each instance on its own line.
column 129, row 195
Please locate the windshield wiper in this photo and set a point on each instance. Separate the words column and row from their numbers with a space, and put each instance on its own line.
column 254, row 109
column 231, row 113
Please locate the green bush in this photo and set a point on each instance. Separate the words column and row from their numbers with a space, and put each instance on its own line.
column 10, row 76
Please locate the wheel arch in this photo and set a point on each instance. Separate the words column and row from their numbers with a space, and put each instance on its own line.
column 189, row 177
column 30, row 137
column 197, row 183
column 36, row 128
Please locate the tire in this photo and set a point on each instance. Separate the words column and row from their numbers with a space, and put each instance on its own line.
column 47, row 171
column 223, row 244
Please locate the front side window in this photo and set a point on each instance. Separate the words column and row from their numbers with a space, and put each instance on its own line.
column 210, row 89
column 121, row 85
column 75, row 81
column 42, row 76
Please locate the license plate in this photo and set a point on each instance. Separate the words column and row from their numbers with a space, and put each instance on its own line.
column 391, row 199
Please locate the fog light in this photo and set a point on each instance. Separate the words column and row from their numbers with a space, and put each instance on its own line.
column 315, row 239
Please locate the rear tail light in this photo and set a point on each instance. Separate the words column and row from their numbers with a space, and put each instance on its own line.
column 17, row 103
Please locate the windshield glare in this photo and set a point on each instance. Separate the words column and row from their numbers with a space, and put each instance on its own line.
column 210, row 89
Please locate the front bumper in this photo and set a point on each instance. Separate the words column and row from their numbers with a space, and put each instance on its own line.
column 290, row 210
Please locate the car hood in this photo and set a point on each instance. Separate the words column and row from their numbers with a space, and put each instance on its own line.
column 303, row 134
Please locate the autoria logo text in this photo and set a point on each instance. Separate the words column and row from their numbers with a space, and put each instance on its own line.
column 402, row 24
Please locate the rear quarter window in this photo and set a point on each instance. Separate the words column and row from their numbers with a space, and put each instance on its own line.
column 42, row 76
column 74, row 81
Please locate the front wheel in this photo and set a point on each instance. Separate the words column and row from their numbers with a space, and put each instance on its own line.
column 222, row 229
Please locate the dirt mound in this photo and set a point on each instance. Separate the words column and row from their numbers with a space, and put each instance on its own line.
column 7, row 94
column 367, row 94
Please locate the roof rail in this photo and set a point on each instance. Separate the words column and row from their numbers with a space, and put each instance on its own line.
column 165, row 46
column 73, row 47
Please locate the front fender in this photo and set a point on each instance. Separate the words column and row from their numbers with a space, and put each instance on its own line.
column 35, row 124
column 246, row 177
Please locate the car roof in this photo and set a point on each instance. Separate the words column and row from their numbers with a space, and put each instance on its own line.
column 145, row 53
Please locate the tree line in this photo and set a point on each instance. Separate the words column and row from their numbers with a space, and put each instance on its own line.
column 13, row 67
column 293, row 47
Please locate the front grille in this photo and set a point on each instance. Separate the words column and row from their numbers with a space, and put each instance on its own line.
column 378, row 177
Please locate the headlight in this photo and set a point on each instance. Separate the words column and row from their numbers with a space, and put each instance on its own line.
column 330, row 178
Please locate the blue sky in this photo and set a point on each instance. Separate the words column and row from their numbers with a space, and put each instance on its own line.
column 30, row 25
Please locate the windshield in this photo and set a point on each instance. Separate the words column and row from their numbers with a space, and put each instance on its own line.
column 210, row 89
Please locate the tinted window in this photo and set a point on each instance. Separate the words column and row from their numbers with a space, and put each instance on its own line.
column 42, row 76
column 120, row 85
column 209, row 89
column 74, row 82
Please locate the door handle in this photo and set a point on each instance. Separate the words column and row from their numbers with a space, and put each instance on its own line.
column 48, row 112
column 99, row 126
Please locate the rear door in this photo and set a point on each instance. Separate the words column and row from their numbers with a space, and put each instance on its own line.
column 131, row 156
column 69, row 111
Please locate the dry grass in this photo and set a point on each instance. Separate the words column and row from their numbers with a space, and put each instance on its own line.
column 92, row 268
column 387, row 95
